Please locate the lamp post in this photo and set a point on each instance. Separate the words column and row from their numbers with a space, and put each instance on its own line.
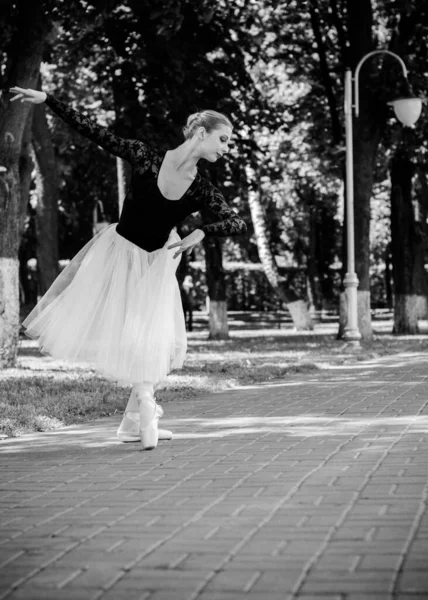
column 407, row 110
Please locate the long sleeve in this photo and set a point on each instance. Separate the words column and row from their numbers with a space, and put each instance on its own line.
column 229, row 222
column 133, row 151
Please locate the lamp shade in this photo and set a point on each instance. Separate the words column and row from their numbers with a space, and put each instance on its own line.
column 407, row 110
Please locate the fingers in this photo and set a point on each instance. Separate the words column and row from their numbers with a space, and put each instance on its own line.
column 183, row 247
column 22, row 94
column 182, row 250
column 32, row 100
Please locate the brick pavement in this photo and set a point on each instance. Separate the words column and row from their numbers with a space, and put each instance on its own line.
column 313, row 488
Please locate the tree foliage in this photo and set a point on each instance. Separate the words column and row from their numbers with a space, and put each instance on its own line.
column 276, row 68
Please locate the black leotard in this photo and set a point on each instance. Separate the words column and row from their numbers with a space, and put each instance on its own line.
column 148, row 217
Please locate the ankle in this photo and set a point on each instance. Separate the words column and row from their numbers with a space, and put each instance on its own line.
column 143, row 388
column 147, row 410
column 145, row 398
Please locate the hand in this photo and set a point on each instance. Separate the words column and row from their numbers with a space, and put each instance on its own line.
column 27, row 95
column 188, row 243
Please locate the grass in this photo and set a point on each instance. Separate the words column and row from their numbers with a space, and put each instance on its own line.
column 42, row 393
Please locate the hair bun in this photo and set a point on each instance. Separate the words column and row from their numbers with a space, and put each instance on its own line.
column 192, row 118
column 209, row 119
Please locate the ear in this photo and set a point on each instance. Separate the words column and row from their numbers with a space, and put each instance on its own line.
column 202, row 132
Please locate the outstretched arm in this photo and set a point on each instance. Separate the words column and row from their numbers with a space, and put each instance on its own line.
column 130, row 150
column 229, row 222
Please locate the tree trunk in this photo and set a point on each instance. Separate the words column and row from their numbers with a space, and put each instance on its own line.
column 421, row 195
column 408, row 247
column 121, row 182
column 26, row 166
column 367, row 134
column 326, row 76
column 25, row 55
column 216, row 283
column 314, row 274
column 9, row 264
column 47, row 201
column 297, row 307
column 388, row 278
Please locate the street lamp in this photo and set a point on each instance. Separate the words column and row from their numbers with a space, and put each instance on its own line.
column 407, row 110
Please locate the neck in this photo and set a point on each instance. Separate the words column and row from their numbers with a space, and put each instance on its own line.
column 185, row 157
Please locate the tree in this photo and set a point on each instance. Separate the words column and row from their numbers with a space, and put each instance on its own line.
column 408, row 233
column 24, row 50
column 47, row 201
column 297, row 307
column 409, row 207
column 216, row 284
column 26, row 166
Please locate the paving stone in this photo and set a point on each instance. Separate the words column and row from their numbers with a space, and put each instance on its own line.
column 126, row 594
column 414, row 581
column 28, row 592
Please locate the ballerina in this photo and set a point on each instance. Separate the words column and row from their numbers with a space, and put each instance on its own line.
column 117, row 306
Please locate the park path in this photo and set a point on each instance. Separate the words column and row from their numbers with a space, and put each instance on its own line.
column 312, row 488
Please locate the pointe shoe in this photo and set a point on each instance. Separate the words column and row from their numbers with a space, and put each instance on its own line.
column 129, row 428
column 149, row 435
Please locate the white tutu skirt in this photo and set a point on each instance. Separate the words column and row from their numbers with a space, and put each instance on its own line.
column 117, row 308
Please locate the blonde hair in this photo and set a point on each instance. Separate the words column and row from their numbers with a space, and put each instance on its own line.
column 209, row 119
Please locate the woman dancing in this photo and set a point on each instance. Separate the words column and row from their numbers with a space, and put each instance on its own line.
column 117, row 304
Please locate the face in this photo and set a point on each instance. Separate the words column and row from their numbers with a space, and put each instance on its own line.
column 216, row 143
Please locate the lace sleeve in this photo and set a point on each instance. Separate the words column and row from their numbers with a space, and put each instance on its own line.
column 229, row 222
column 133, row 151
